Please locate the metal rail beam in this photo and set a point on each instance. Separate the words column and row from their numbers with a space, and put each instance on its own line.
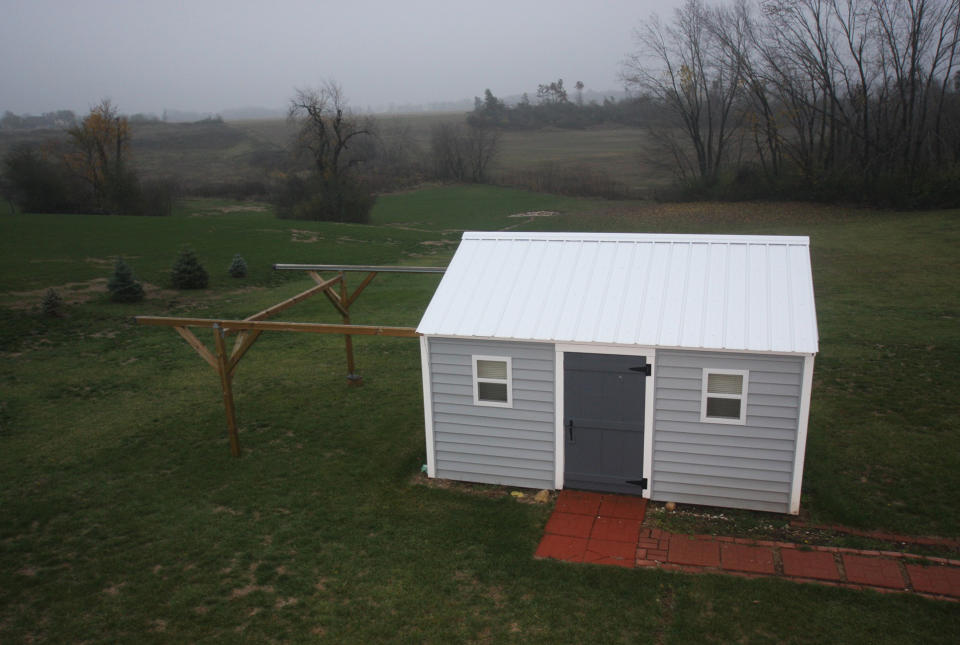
column 357, row 267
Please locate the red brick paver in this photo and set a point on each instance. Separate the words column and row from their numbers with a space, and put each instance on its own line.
column 685, row 549
column 562, row 547
column 608, row 529
column 615, row 528
column 578, row 501
column 935, row 579
column 628, row 508
column 876, row 572
column 753, row 559
column 809, row 564
column 570, row 524
column 610, row 552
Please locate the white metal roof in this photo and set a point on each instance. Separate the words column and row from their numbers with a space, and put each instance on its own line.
column 729, row 292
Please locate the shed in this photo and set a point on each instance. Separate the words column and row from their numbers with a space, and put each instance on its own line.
column 678, row 367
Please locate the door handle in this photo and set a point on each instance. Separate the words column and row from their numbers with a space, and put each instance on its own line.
column 570, row 429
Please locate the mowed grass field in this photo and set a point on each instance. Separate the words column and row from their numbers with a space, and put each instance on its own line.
column 123, row 517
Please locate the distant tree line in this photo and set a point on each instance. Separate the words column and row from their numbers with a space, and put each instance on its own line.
column 828, row 99
column 59, row 119
column 88, row 173
column 553, row 108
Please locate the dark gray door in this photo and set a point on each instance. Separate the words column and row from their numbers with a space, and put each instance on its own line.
column 603, row 403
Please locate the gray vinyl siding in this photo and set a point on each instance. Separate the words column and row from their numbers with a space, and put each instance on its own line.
column 492, row 445
column 717, row 464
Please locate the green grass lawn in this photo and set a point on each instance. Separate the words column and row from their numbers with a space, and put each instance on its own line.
column 124, row 519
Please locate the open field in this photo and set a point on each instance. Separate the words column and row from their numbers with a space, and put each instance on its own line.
column 124, row 519
column 205, row 153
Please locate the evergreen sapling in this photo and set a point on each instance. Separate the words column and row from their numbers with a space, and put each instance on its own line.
column 187, row 272
column 52, row 304
column 238, row 268
column 122, row 285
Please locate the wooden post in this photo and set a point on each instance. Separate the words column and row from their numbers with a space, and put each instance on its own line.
column 352, row 377
column 226, row 383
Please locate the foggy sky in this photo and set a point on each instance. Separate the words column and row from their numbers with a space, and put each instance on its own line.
column 211, row 55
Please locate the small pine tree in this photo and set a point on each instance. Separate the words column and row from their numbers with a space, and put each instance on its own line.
column 238, row 268
column 122, row 285
column 187, row 272
column 52, row 304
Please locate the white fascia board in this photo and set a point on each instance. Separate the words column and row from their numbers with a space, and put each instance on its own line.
column 800, row 449
column 427, row 405
column 793, row 240
column 625, row 348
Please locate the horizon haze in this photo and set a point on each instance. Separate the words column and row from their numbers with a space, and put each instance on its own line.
column 215, row 56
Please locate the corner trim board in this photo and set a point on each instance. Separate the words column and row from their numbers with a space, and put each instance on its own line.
column 427, row 404
column 800, row 449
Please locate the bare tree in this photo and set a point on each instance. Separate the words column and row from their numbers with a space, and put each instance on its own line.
column 327, row 130
column 684, row 65
column 839, row 92
column 463, row 152
column 327, row 127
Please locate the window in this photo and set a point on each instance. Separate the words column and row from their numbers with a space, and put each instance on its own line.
column 724, row 398
column 492, row 381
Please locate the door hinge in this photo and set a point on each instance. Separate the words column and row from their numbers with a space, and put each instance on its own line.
column 642, row 483
column 643, row 369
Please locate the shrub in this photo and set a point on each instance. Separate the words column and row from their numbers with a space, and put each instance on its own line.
column 122, row 285
column 38, row 185
column 238, row 268
column 52, row 304
column 312, row 198
column 187, row 272
column 157, row 197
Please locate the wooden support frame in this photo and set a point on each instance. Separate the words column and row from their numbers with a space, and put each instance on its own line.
column 250, row 328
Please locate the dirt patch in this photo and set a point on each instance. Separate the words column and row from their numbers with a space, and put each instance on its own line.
column 536, row 214
column 241, row 592
column 72, row 293
column 250, row 208
column 223, row 210
column 522, row 495
column 76, row 293
column 285, row 602
column 107, row 262
column 300, row 235
column 113, row 590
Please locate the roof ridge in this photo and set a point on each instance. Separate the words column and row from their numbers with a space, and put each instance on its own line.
column 801, row 240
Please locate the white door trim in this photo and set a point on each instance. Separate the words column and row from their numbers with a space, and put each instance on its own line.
column 650, row 354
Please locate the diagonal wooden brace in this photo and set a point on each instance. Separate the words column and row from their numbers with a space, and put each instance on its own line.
column 226, row 384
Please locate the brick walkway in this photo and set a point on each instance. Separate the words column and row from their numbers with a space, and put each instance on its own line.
column 608, row 529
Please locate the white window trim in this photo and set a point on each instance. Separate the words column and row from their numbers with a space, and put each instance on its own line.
column 508, row 381
column 742, row 396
